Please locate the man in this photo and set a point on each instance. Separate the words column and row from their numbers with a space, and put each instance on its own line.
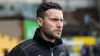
column 46, row 41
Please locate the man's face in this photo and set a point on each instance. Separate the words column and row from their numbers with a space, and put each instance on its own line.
column 52, row 23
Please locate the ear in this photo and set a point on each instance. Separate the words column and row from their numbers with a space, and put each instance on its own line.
column 40, row 21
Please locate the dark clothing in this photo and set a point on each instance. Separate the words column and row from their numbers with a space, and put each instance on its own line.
column 85, row 51
column 39, row 47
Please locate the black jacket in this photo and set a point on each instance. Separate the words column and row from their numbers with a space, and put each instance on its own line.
column 39, row 47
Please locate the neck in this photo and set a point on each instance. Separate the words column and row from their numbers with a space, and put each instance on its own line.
column 47, row 38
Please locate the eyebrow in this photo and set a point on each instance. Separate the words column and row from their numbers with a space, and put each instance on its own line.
column 57, row 17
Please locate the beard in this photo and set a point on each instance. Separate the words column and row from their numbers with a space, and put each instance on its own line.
column 51, row 35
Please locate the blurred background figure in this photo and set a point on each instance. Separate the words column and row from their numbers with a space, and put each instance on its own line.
column 95, row 50
column 5, row 52
column 85, row 50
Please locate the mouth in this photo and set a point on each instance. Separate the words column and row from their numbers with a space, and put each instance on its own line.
column 59, row 30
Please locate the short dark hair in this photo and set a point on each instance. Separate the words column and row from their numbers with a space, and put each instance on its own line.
column 46, row 6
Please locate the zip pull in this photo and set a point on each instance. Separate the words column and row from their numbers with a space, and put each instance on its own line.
column 51, row 49
column 51, row 53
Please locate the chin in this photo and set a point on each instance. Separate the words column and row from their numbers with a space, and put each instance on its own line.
column 57, row 37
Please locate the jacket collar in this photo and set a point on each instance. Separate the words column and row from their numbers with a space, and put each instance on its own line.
column 39, row 39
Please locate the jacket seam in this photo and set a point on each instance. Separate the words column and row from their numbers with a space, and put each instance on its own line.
column 27, row 46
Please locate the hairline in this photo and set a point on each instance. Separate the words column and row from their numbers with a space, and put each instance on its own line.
column 44, row 13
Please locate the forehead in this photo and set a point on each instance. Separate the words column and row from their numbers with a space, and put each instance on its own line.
column 54, row 12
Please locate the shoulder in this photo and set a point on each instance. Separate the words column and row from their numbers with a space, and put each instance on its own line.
column 25, row 44
column 22, row 47
column 64, row 48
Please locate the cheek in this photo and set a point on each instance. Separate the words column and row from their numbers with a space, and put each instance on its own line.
column 47, row 24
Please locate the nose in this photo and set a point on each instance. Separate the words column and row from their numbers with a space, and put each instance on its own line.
column 60, row 24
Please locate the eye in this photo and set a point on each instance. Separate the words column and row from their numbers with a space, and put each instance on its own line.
column 62, row 20
column 54, row 19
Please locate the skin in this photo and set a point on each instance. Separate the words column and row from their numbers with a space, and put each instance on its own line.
column 51, row 25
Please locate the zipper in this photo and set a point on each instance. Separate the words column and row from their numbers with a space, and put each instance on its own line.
column 51, row 49
column 51, row 53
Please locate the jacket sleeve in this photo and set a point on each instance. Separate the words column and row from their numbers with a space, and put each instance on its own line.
column 67, row 54
column 67, row 51
column 16, row 52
